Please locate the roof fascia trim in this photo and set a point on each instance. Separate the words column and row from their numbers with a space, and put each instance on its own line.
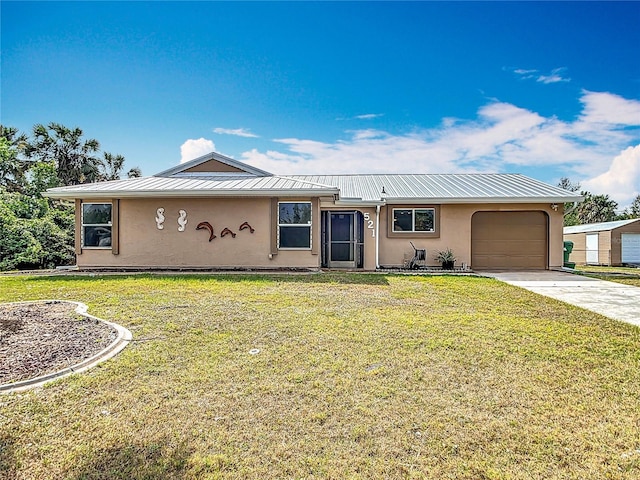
column 192, row 193
column 459, row 200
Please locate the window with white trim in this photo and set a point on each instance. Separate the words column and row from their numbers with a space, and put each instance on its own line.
column 96, row 225
column 414, row 220
column 294, row 225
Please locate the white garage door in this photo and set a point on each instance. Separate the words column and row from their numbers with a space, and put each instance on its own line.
column 630, row 247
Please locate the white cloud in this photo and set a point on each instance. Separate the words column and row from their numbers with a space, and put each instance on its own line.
column 502, row 137
column 604, row 107
column 522, row 71
column 239, row 132
column 369, row 116
column 622, row 180
column 555, row 76
column 195, row 148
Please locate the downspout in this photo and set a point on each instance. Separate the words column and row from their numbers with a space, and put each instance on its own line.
column 377, row 236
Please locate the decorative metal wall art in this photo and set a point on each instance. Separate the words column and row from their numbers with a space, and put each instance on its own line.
column 226, row 231
column 160, row 218
column 182, row 221
column 182, row 224
column 246, row 225
column 206, row 226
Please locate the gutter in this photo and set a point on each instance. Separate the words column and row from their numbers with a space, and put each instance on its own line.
column 461, row 200
column 187, row 193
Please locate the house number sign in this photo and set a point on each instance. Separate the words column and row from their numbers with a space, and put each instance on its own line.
column 367, row 218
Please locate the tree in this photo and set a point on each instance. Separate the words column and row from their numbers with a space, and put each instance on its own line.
column 112, row 165
column 570, row 215
column 633, row 210
column 74, row 157
column 12, row 168
column 37, row 232
column 568, row 185
column 33, row 233
column 135, row 172
column 596, row 208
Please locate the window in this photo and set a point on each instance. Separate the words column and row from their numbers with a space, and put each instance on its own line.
column 414, row 220
column 294, row 225
column 96, row 225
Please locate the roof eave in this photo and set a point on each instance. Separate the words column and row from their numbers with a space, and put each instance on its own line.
column 460, row 200
column 89, row 194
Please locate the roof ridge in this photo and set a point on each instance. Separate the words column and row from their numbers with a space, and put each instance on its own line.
column 295, row 177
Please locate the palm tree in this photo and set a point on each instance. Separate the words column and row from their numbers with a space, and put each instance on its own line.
column 135, row 172
column 112, row 165
column 13, row 168
column 73, row 156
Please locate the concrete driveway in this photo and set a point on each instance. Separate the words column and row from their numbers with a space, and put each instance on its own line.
column 613, row 300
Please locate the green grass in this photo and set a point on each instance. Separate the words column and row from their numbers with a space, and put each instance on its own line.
column 358, row 377
column 626, row 275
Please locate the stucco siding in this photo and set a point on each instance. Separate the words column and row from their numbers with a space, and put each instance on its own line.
column 143, row 245
column 455, row 233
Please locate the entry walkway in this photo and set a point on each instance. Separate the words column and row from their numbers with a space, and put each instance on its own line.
column 613, row 300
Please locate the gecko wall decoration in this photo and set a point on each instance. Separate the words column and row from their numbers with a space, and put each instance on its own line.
column 206, row 226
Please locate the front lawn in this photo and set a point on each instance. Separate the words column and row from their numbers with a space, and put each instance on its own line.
column 332, row 376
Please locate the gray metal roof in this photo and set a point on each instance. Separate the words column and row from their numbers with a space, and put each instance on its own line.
column 444, row 188
column 598, row 227
column 197, row 186
column 249, row 181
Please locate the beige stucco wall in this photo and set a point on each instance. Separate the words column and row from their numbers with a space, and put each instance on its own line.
column 143, row 245
column 455, row 233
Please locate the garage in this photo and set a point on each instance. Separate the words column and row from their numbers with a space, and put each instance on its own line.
column 606, row 243
column 509, row 240
column 630, row 247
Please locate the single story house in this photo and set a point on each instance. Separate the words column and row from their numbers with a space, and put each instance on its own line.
column 218, row 213
column 606, row 243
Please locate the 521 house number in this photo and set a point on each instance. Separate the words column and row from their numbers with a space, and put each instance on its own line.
column 367, row 218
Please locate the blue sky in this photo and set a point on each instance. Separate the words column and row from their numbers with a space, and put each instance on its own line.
column 546, row 89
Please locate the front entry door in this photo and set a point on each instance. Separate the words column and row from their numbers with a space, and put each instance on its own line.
column 343, row 248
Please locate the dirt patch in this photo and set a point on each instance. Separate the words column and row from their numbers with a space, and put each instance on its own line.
column 41, row 338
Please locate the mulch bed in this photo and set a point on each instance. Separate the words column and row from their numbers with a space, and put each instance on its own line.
column 41, row 338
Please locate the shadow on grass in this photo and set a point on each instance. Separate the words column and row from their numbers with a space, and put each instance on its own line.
column 340, row 278
column 8, row 460
column 163, row 459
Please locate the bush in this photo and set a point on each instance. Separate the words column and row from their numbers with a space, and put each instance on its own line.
column 34, row 234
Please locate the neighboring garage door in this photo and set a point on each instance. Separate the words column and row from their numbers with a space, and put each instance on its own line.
column 630, row 247
column 509, row 240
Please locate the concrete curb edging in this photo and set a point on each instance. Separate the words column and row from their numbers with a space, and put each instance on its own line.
column 123, row 337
